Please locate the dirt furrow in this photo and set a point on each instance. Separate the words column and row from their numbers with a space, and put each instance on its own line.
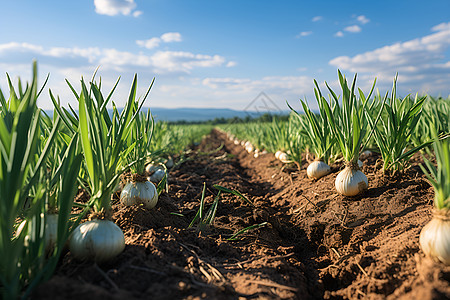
column 311, row 242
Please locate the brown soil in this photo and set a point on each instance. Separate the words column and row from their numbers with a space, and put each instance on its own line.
column 316, row 244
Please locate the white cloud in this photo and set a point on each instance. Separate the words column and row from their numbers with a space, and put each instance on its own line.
column 154, row 42
column 353, row 28
column 304, row 33
column 339, row 34
column 231, row 64
column 161, row 61
column 441, row 27
column 180, row 61
column 137, row 13
column 171, row 37
column 116, row 7
column 298, row 85
column 317, row 18
column 418, row 61
column 362, row 19
column 150, row 43
column 239, row 92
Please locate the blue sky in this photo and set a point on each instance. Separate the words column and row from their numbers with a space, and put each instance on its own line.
column 224, row 53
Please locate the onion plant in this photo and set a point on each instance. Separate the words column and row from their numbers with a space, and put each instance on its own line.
column 297, row 140
column 394, row 130
column 320, row 135
column 24, row 186
column 434, row 237
column 138, row 189
column 205, row 219
column 435, row 112
column 102, row 139
column 350, row 127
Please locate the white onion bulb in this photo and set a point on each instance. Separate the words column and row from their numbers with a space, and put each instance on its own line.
column 318, row 169
column 435, row 237
column 351, row 182
column 277, row 154
column 158, row 175
column 97, row 240
column 51, row 231
column 150, row 168
column 139, row 193
column 169, row 163
column 283, row 157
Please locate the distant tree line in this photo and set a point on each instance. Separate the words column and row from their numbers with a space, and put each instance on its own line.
column 267, row 117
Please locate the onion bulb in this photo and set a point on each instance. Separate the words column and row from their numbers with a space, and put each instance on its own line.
column 351, row 181
column 51, row 231
column 318, row 169
column 150, row 168
column 158, row 175
column 97, row 240
column 283, row 157
column 169, row 163
column 139, row 193
column 435, row 237
column 277, row 154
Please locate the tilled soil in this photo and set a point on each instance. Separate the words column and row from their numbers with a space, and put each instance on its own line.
column 312, row 243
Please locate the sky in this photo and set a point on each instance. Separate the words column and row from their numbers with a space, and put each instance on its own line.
column 224, row 54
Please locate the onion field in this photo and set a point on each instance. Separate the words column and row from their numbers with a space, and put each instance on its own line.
column 347, row 201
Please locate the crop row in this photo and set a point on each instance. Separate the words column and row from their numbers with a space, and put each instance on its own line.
column 346, row 125
column 46, row 160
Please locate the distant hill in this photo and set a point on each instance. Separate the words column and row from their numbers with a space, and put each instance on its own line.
column 201, row 114
column 197, row 114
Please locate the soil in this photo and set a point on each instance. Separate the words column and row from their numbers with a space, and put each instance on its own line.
column 312, row 243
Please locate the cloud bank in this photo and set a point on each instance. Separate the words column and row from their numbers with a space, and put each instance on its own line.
column 159, row 62
column 420, row 61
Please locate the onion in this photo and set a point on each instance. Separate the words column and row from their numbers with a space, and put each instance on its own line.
column 360, row 164
column 150, row 168
column 51, row 231
column 283, row 157
column 139, row 193
column 158, row 175
column 169, row 163
column 249, row 148
column 277, row 154
column 318, row 169
column 351, row 181
column 435, row 237
column 98, row 240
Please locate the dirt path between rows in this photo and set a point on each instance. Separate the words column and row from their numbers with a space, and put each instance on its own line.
column 312, row 243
